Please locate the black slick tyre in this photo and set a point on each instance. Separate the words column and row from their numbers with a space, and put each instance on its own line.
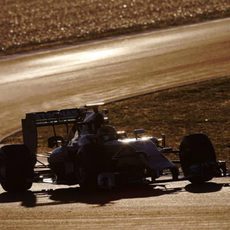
column 16, row 168
column 198, row 158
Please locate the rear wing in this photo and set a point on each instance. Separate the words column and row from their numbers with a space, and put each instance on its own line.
column 49, row 118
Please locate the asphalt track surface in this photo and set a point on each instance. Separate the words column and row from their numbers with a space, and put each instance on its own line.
column 167, row 205
column 108, row 70
column 111, row 69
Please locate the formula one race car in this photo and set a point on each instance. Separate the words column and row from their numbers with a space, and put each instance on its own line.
column 96, row 155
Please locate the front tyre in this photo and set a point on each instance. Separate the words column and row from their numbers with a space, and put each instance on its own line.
column 16, row 168
column 198, row 158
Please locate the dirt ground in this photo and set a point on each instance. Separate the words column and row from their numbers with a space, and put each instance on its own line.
column 26, row 25
column 202, row 107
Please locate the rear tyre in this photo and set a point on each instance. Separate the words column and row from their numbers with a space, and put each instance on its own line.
column 198, row 158
column 16, row 168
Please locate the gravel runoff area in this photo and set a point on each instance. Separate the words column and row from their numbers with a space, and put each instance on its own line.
column 26, row 25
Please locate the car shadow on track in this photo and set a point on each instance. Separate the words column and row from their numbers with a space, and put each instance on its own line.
column 102, row 198
column 67, row 195
column 207, row 187
column 28, row 199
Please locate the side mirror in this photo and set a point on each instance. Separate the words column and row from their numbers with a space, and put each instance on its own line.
column 137, row 132
column 55, row 141
column 121, row 134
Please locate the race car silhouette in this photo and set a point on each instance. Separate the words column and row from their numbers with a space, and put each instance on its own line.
column 95, row 155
